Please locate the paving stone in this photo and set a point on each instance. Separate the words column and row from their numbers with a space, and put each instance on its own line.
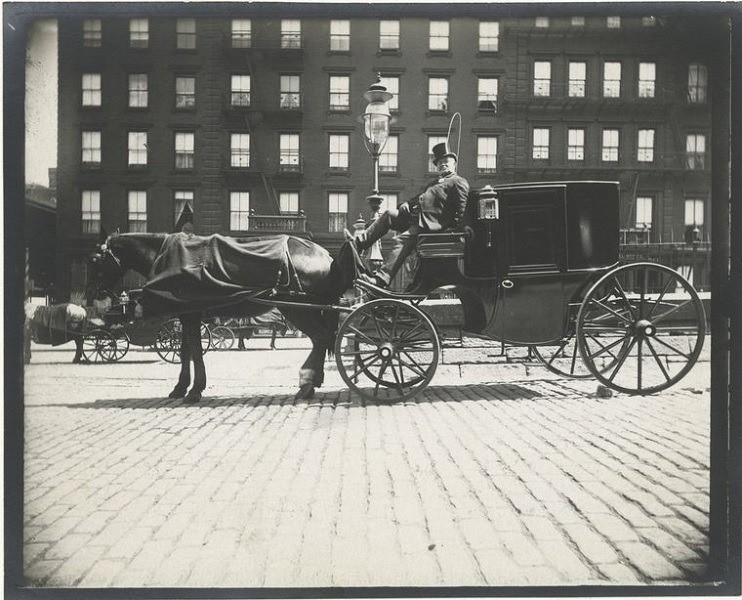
column 649, row 562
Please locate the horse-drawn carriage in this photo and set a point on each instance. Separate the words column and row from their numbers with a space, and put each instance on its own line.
column 541, row 270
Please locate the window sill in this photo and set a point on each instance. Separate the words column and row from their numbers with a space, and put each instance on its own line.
column 388, row 173
column 338, row 111
column 137, row 168
column 488, row 53
column 190, row 109
column 437, row 113
column 389, row 52
column 90, row 166
column 340, row 172
column 339, row 52
column 91, row 106
column 439, row 54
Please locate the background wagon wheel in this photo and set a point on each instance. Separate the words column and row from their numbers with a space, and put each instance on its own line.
column 117, row 349
column 222, row 338
column 168, row 340
column 96, row 346
column 206, row 338
column 652, row 316
column 389, row 345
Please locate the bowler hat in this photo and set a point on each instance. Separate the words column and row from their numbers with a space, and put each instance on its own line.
column 441, row 151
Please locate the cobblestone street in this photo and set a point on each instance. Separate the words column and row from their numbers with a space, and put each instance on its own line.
column 500, row 473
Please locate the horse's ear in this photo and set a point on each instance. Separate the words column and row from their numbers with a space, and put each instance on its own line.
column 103, row 235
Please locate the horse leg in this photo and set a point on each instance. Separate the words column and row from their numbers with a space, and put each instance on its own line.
column 312, row 372
column 78, row 348
column 184, row 380
column 197, row 355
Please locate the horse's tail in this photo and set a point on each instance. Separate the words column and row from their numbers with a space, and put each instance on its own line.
column 332, row 319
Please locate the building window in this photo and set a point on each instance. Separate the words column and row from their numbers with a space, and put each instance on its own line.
column 137, row 148
column 697, row 83
column 288, row 202
column 695, row 151
column 239, row 150
column 90, row 205
column 138, row 90
column 388, row 200
column 184, row 150
column 694, row 209
column 577, row 79
column 649, row 21
column 185, row 92
column 433, row 140
column 290, row 91
column 439, row 36
column 389, row 35
column 647, row 76
column 339, row 92
column 438, row 94
column 486, row 154
column 542, row 22
column 91, row 89
column 541, row 143
column 91, row 150
column 612, row 80
column 610, row 145
column 338, row 211
column 391, row 84
column 576, row 144
column 339, row 145
column 241, row 33
column 181, row 199
column 613, row 22
column 92, row 33
column 578, row 21
column 137, row 211
column 388, row 158
column 339, row 35
column 185, row 34
column 644, row 212
column 138, row 33
column 541, row 78
column 239, row 211
column 489, row 36
column 290, row 33
column 487, row 93
column 289, row 152
column 240, row 88
column 645, row 145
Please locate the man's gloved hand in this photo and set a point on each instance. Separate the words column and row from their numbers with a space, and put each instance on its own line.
column 404, row 208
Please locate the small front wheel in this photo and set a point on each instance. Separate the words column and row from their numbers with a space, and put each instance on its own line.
column 97, row 346
column 387, row 350
column 222, row 338
column 168, row 341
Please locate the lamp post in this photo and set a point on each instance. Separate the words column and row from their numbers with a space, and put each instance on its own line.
column 376, row 121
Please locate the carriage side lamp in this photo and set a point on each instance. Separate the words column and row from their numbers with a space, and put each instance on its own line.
column 489, row 209
column 376, row 121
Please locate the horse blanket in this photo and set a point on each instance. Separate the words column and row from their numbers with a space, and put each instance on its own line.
column 57, row 324
column 196, row 273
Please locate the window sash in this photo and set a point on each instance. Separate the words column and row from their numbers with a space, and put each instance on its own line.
column 489, row 36
column 612, row 80
column 137, row 148
column 290, row 33
column 647, row 76
column 90, row 211
column 576, row 144
column 239, row 146
column 487, row 92
column 542, row 22
column 337, row 211
column 541, row 78
column 288, row 202
column 645, row 145
column 289, row 149
column 613, row 22
column 184, row 151
column 392, row 86
column 644, row 211
column 438, row 93
column 577, row 21
column 610, row 145
column 138, row 90
column 91, row 89
column 695, row 151
column 388, row 157
column 185, row 92
column 541, row 143
column 577, row 79
column 697, row 82
column 241, row 33
column 694, row 209
column 181, row 198
column 439, row 35
column 486, row 154
column 389, row 35
column 339, row 151
column 137, row 213
column 139, row 33
column 239, row 211
column 185, row 34
column 92, row 33
column 340, row 35
column 339, row 92
column 91, row 147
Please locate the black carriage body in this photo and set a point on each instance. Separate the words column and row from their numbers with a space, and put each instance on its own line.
column 535, row 248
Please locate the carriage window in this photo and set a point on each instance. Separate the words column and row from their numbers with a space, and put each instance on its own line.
column 576, row 144
column 438, row 94
column 185, row 34
column 181, row 199
column 338, row 211
column 184, row 150
column 612, row 80
column 290, row 91
column 289, row 202
column 489, row 36
column 339, row 92
column 391, row 83
column 137, row 211
column 290, row 33
column 239, row 211
column 137, row 148
column 185, row 92
column 339, row 35
column 388, row 158
column 487, row 93
column 339, row 152
column 433, row 140
column 288, row 159
column 647, row 76
column 138, row 33
column 577, row 79
column 90, row 201
column 91, row 89
column 610, row 145
column 138, row 90
column 239, row 150
column 535, row 221
column 389, row 35
column 241, row 33
column 439, row 35
column 697, row 83
column 695, row 151
column 645, row 146
column 240, row 90
column 92, row 33
column 541, row 78
column 91, row 150
column 541, row 143
column 486, row 154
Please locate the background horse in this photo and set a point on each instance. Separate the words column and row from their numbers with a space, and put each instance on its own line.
column 57, row 324
column 322, row 279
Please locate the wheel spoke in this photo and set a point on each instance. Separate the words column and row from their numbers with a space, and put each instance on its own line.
column 659, row 299
column 394, row 373
column 574, row 359
column 639, row 363
column 667, row 313
column 609, row 309
column 643, row 292
column 394, row 321
column 602, row 346
column 357, row 352
column 657, row 359
column 607, row 348
column 365, row 365
column 363, row 335
column 675, row 350
column 415, row 366
column 408, row 334
column 622, row 359
column 401, row 370
column 620, row 290
column 556, row 354
column 380, row 376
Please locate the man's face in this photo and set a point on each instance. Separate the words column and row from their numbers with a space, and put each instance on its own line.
column 447, row 165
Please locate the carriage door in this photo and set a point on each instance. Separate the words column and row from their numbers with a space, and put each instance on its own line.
column 531, row 307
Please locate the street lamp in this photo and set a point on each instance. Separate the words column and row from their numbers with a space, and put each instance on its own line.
column 376, row 121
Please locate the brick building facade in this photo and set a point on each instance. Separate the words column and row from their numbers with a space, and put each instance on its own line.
column 252, row 120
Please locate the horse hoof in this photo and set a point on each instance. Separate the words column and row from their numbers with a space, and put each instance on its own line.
column 306, row 392
column 176, row 393
column 192, row 398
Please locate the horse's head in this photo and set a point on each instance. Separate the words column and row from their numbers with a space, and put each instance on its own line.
column 107, row 268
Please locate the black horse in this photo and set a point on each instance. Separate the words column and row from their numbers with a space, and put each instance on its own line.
column 322, row 280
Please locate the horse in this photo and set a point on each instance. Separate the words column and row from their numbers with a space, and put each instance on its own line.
column 322, row 279
column 55, row 325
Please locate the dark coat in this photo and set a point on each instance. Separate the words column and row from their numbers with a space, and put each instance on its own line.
column 441, row 205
